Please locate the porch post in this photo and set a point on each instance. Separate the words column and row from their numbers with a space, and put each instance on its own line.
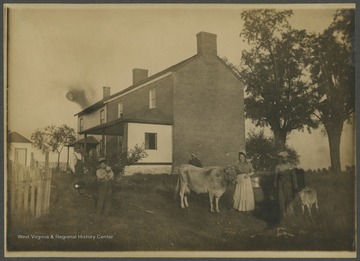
column 103, row 143
column 124, row 144
column 85, row 145
column 125, row 138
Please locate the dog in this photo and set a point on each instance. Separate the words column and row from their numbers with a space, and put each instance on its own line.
column 308, row 198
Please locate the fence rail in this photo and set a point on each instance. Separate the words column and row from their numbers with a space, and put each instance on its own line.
column 53, row 165
column 28, row 191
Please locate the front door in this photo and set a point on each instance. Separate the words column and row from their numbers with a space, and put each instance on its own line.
column 20, row 156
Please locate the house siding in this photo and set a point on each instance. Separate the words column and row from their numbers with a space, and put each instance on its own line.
column 208, row 113
column 163, row 152
column 203, row 99
column 91, row 119
column 136, row 103
column 27, row 146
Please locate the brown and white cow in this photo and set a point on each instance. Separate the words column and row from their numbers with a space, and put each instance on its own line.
column 200, row 180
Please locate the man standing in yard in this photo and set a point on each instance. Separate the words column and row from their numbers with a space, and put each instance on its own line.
column 77, row 164
column 286, row 183
column 105, row 176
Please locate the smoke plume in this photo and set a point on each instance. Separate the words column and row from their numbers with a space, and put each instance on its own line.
column 78, row 96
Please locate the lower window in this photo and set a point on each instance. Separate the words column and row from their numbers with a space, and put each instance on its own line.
column 150, row 141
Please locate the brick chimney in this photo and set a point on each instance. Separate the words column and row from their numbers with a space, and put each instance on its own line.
column 106, row 92
column 206, row 43
column 139, row 75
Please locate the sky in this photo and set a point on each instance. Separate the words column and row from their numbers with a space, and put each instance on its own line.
column 56, row 48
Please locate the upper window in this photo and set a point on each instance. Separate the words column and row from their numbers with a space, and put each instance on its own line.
column 120, row 109
column 150, row 141
column 81, row 124
column 152, row 98
column 102, row 116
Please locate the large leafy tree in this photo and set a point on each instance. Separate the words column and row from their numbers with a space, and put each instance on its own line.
column 53, row 139
column 263, row 152
column 333, row 76
column 274, row 71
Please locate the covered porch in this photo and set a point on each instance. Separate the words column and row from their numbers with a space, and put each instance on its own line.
column 86, row 144
column 118, row 127
column 124, row 133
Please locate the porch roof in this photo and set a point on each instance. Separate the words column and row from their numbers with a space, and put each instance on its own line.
column 116, row 127
column 90, row 140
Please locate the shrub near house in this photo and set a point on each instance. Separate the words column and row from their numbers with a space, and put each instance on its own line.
column 117, row 160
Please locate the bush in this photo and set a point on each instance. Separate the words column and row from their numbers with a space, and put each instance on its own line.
column 91, row 162
column 119, row 160
column 116, row 159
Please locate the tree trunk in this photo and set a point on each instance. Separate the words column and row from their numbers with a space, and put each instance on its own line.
column 280, row 140
column 334, row 137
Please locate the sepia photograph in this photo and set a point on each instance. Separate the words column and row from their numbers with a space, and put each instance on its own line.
column 179, row 130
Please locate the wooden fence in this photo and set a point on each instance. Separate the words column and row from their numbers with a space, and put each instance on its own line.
column 53, row 165
column 28, row 191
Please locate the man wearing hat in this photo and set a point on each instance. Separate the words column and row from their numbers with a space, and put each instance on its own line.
column 195, row 161
column 285, row 181
column 77, row 163
column 105, row 176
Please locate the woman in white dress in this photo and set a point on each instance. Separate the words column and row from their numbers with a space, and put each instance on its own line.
column 243, row 195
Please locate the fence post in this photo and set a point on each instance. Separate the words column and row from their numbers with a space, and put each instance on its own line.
column 46, row 184
column 21, row 175
column 39, row 197
column 12, row 181
column 27, row 183
column 47, row 190
column 32, row 192
column 28, row 190
column 32, row 160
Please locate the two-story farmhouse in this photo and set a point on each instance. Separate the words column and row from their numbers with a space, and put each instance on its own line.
column 195, row 106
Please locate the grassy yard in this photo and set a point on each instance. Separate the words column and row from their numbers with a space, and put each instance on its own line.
column 146, row 217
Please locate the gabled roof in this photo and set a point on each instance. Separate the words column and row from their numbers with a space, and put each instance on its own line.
column 229, row 68
column 169, row 69
column 16, row 137
column 92, row 107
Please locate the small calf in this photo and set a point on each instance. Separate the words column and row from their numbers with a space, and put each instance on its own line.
column 308, row 197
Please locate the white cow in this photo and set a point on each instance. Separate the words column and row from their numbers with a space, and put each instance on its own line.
column 200, row 180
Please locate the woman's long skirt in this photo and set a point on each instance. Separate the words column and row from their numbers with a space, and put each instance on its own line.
column 244, row 195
